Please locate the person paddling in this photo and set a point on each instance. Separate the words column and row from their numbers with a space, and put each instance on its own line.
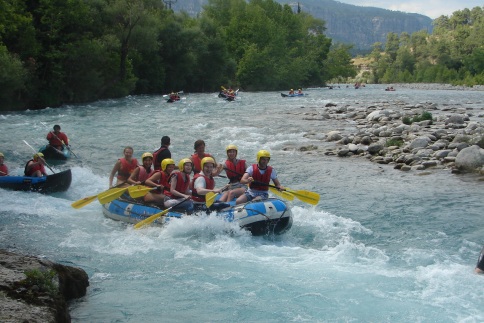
column 57, row 139
column 35, row 167
column 203, row 182
column 180, row 194
column 123, row 167
column 256, row 176
column 235, row 169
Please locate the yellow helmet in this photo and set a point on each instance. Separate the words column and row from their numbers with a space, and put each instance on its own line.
column 182, row 163
column 207, row 160
column 231, row 147
column 145, row 155
column 166, row 162
column 263, row 153
column 37, row 155
column 1, row 155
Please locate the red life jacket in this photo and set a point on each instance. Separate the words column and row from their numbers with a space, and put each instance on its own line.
column 33, row 169
column 157, row 165
column 263, row 178
column 209, row 185
column 3, row 170
column 56, row 139
column 126, row 168
column 143, row 174
column 181, row 184
column 197, row 162
column 235, row 172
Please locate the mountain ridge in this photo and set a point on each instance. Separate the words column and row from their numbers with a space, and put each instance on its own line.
column 345, row 23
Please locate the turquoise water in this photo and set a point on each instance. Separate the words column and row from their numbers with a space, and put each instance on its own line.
column 381, row 246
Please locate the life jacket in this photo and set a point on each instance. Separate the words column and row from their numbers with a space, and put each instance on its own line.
column 259, row 177
column 181, row 184
column 165, row 182
column 235, row 172
column 143, row 175
column 197, row 162
column 56, row 139
column 3, row 170
column 209, row 185
column 156, row 163
column 126, row 168
column 33, row 169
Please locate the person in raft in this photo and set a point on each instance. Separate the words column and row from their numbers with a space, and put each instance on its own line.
column 57, row 139
column 141, row 173
column 123, row 168
column 180, row 187
column 235, row 169
column 162, row 153
column 35, row 167
column 199, row 154
column 258, row 176
column 3, row 167
column 203, row 182
column 160, row 180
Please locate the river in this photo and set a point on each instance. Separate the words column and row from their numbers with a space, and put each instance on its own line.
column 381, row 246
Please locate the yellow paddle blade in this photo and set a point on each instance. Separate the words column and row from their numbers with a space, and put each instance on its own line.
column 139, row 191
column 305, row 196
column 83, row 202
column 285, row 195
column 110, row 195
column 210, row 198
column 150, row 219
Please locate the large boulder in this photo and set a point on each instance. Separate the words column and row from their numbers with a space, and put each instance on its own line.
column 470, row 158
column 42, row 297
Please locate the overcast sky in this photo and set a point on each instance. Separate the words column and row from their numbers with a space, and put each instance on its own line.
column 430, row 8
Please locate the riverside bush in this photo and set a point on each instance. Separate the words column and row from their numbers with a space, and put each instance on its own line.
column 424, row 116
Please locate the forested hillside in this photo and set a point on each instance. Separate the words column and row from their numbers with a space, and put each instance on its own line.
column 54, row 52
column 453, row 53
column 345, row 23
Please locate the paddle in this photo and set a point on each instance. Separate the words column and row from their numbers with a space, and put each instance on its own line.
column 284, row 194
column 210, row 198
column 40, row 157
column 137, row 191
column 111, row 195
column 303, row 195
column 85, row 201
column 157, row 215
column 64, row 145
column 180, row 92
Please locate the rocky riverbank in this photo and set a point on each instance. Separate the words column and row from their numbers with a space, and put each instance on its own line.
column 37, row 290
column 414, row 137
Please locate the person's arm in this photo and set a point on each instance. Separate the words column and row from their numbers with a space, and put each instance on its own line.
column 113, row 172
column 133, row 178
column 153, row 179
column 246, row 179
